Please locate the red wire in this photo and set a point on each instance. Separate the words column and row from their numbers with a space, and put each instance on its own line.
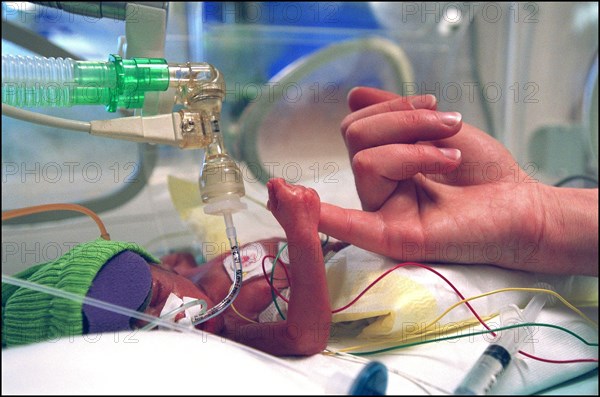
column 546, row 360
column 365, row 290
column 410, row 264
column 447, row 282
column 287, row 275
column 582, row 360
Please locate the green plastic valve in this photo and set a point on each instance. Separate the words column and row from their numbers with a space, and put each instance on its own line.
column 119, row 83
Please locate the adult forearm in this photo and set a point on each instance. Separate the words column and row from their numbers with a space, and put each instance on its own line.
column 570, row 240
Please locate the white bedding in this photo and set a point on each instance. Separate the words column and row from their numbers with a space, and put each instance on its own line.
column 167, row 362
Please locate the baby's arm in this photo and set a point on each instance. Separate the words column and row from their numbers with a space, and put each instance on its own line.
column 306, row 328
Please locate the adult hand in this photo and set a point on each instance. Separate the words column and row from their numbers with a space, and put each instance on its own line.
column 436, row 189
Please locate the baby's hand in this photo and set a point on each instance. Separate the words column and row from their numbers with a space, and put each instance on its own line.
column 295, row 207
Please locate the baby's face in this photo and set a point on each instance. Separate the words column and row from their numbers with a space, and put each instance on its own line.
column 165, row 282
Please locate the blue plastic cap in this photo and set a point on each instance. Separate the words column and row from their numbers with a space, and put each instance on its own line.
column 371, row 381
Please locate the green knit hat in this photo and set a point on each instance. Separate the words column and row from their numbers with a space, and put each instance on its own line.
column 30, row 316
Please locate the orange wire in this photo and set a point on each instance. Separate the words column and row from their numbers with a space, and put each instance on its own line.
column 6, row 215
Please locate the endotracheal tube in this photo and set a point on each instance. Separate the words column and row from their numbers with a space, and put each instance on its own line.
column 221, row 187
column 237, row 284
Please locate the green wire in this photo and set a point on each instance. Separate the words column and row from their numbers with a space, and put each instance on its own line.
column 474, row 334
column 323, row 244
column 272, row 281
column 431, row 340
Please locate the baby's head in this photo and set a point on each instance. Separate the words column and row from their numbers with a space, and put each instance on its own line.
column 168, row 286
column 119, row 273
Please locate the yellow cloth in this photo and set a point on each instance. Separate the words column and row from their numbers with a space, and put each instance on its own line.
column 209, row 229
column 409, row 298
column 394, row 302
column 254, row 224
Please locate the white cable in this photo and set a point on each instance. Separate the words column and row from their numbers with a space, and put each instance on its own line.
column 161, row 129
column 95, row 303
column 44, row 119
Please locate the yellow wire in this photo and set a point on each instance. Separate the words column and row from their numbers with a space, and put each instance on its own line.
column 469, row 322
column 242, row 316
column 546, row 291
column 411, row 337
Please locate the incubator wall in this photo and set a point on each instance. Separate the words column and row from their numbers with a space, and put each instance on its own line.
column 523, row 72
column 289, row 67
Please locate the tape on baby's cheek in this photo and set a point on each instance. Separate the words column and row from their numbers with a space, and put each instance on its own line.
column 174, row 302
column 251, row 256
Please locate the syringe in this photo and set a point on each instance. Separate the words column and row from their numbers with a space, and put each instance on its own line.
column 497, row 356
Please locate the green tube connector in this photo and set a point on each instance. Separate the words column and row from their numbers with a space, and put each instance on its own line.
column 119, row 83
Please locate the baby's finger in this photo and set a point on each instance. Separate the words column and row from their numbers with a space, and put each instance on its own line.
column 378, row 170
column 401, row 127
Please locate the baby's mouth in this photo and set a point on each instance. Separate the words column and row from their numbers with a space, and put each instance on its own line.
column 194, row 308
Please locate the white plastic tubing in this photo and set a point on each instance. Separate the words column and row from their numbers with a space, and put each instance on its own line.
column 31, row 81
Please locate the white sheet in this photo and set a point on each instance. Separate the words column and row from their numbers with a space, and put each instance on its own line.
column 166, row 362
column 153, row 363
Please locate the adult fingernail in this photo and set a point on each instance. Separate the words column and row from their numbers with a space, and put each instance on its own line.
column 424, row 102
column 450, row 118
column 452, row 154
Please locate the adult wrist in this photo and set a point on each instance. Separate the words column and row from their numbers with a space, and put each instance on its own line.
column 569, row 243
